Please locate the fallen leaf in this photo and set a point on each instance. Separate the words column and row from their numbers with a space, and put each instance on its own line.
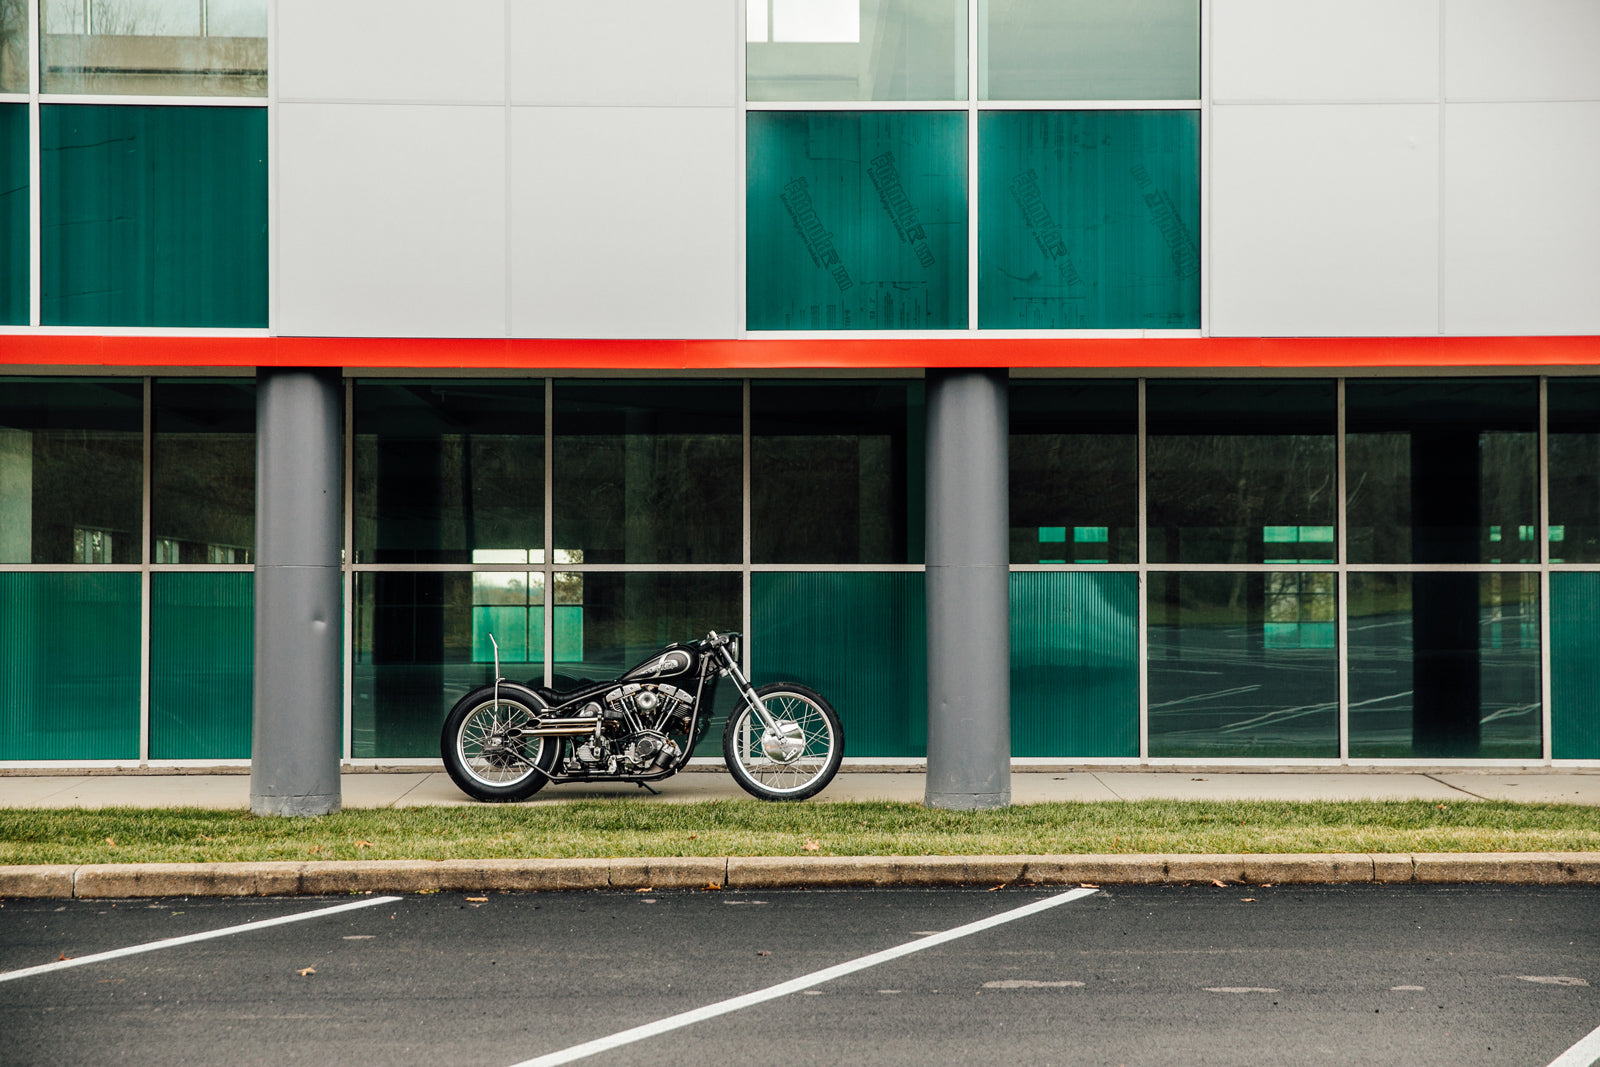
column 1002, row 885
column 710, row 886
column 1248, row 900
column 63, row 956
column 811, row 844
column 302, row 972
column 1088, row 885
column 363, row 844
column 478, row 900
column 693, row 836
column 646, row 889
column 1266, row 885
column 314, row 848
column 1219, row 885
column 111, row 842
column 763, row 952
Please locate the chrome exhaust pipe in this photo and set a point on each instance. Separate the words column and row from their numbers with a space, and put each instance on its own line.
column 559, row 727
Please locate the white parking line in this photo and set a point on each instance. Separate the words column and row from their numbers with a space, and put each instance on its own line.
column 1583, row 1054
column 795, row 985
column 187, row 939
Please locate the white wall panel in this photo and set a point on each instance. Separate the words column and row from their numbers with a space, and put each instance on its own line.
column 1324, row 220
column 1328, row 50
column 1522, row 221
column 625, row 52
column 1522, row 50
column 390, row 220
column 623, row 222
column 448, row 51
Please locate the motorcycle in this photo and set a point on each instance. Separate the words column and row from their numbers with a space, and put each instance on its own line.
column 505, row 740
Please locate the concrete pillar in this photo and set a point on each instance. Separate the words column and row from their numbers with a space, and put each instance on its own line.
column 968, row 591
column 299, row 650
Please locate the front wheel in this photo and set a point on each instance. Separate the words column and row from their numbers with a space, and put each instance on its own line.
column 795, row 760
column 485, row 753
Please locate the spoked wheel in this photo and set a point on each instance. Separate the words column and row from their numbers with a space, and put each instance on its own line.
column 794, row 761
column 485, row 754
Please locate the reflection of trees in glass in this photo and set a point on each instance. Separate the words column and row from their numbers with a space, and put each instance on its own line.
column 177, row 47
column 13, row 46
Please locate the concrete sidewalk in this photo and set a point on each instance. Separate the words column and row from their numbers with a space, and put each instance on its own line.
column 420, row 788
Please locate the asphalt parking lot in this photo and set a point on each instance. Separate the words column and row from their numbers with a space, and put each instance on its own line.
column 1122, row 975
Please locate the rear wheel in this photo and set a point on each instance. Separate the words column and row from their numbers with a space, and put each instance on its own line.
column 796, row 759
column 486, row 755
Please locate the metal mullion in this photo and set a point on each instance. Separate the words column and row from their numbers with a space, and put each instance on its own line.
column 1430, row 568
column 1093, row 105
column 347, row 558
column 35, row 174
column 549, row 552
column 825, row 568
column 1143, row 615
column 145, row 533
column 1295, row 566
column 746, row 580
column 875, row 106
column 972, row 165
column 156, row 101
column 1342, row 585
column 1542, row 531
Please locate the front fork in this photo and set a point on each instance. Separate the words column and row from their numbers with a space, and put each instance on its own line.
column 746, row 690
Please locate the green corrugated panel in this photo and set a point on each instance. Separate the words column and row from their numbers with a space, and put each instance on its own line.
column 1074, row 664
column 1089, row 220
column 69, row 675
column 14, row 214
column 202, row 657
column 859, row 639
column 1575, row 666
column 153, row 216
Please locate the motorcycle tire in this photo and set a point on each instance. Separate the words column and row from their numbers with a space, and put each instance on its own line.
column 485, row 768
column 792, row 768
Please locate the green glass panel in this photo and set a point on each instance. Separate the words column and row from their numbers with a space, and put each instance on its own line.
column 647, row 472
column 1242, row 664
column 1088, row 49
column 1074, row 664
column 508, row 612
column 69, row 679
column 1575, row 666
column 71, row 461
column 836, row 472
column 856, row 221
column 154, row 216
column 1241, row 472
column 449, row 472
column 417, row 644
column 879, row 50
column 1089, row 220
column 1574, row 414
column 202, row 659
column 1074, row 471
column 203, row 472
column 1438, row 470
column 859, row 639
column 1444, row 665
column 14, row 253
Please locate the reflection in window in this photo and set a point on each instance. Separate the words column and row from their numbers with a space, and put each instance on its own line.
column 446, row 469
column 836, row 472
column 856, row 220
column 614, row 620
column 1227, row 679
column 203, row 471
column 1444, row 665
column 1442, row 471
column 13, row 47
column 154, row 47
column 1074, row 472
column 1574, row 414
column 1089, row 220
column 1088, row 50
column 71, row 459
column 856, row 50
column 1241, row 472
column 649, row 472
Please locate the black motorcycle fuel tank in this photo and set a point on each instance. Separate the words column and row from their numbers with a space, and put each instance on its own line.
column 674, row 661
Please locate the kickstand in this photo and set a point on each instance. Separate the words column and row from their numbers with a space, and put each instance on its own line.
column 647, row 789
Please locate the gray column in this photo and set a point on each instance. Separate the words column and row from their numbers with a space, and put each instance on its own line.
column 969, row 627
column 299, row 650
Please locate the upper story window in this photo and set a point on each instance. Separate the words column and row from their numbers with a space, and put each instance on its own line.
column 153, row 47
column 1064, row 135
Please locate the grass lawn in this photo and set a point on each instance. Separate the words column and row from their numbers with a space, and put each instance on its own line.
column 627, row 827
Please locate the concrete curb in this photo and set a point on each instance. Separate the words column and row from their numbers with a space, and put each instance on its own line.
column 324, row 878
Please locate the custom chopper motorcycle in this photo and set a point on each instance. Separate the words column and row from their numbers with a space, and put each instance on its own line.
column 505, row 740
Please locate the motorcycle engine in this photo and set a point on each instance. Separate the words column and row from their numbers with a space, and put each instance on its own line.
column 643, row 727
